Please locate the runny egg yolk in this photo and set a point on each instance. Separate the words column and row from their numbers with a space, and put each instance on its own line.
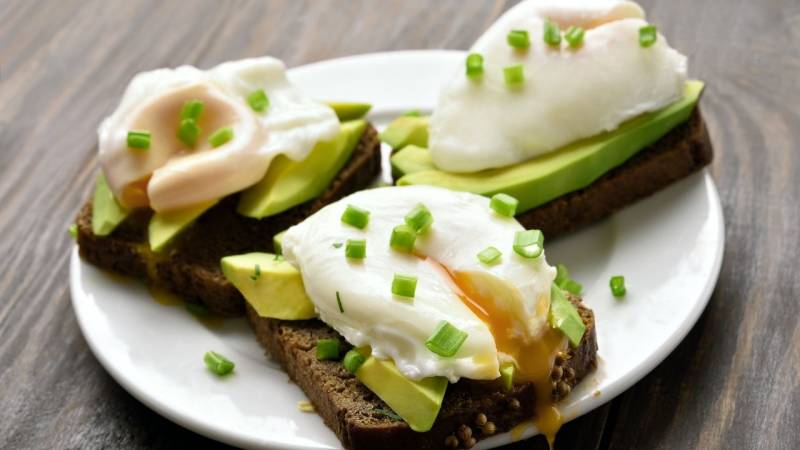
column 534, row 357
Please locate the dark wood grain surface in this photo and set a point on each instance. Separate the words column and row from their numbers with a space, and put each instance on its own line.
column 733, row 383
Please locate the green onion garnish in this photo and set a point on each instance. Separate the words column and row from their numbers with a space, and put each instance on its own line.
column 489, row 256
column 518, row 39
column 356, row 249
column 218, row 364
column 504, row 204
column 648, row 35
column 419, row 219
column 529, row 243
column 571, row 286
column 339, row 302
column 474, row 65
column 446, row 340
column 73, row 230
column 197, row 309
column 404, row 285
column 258, row 100
column 353, row 360
column 574, row 36
column 514, row 75
column 188, row 131
column 220, row 137
column 139, row 139
column 327, row 349
column 403, row 237
column 192, row 110
column 337, row 245
column 412, row 113
column 256, row 272
column 617, row 284
column 356, row 217
column 552, row 34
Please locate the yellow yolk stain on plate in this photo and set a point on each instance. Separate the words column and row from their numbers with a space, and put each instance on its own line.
column 534, row 357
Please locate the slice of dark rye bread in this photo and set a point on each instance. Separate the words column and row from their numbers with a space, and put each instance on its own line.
column 190, row 266
column 357, row 415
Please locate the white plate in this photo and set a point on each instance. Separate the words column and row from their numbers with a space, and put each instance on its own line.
column 669, row 247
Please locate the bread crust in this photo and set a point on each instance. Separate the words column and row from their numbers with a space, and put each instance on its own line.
column 353, row 412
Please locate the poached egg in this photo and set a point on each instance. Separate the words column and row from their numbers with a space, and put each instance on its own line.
column 568, row 93
column 503, row 307
column 170, row 175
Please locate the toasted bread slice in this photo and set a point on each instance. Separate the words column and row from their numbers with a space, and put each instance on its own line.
column 357, row 415
column 683, row 151
column 190, row 266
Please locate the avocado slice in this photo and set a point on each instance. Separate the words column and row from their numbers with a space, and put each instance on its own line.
column 563, row 316
column 165, row 226
column 349, row 111
column 406, row 130
column 107, row 213
column 417, row 402
column 289, row 183
column 272, row 286
column 552, row 175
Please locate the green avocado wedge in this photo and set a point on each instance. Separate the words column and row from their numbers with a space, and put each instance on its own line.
column 564, row 317
column 537, row 181
column 349, row 111
column 164, row 226
column 272, row 286
column 406, row 130
column 289, row 183
column 107, row 213
column 417, row 402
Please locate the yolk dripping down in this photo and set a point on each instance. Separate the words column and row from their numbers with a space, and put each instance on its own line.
column 534, row 357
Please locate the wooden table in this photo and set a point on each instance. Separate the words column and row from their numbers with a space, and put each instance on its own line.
column 732, row 383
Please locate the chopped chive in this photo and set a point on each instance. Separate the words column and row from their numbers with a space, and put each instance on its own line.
column 337, row 244
column 514, row 75
column 339, row 302
column 412, row 113
column 258, row 100
column 403, row 237
column 507, row 375
column 197, row 309
column 73, row 230
column 404, row 285
column 474, row 65
column 256, row 272
column 327, row 349
column 552, row 33
column 356, row 217
column 139, row 139
column 504, row 204
column 518, row 39
column 353, row 360
column 218, row 364
column 571, row 286
column 356, row 249
column 192, row 110
column 188, row 132
column 528, row 243
column 387, row 413
column 220, row 137
column 446, row 340
column 574, row 36
column 419, row 219
column 489, row 256
column 617, row 284
column 648, row 35
column 562, row 274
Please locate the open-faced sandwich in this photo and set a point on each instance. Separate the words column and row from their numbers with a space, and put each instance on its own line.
column 418, row 317
column 197, row 165
column 575, row 107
